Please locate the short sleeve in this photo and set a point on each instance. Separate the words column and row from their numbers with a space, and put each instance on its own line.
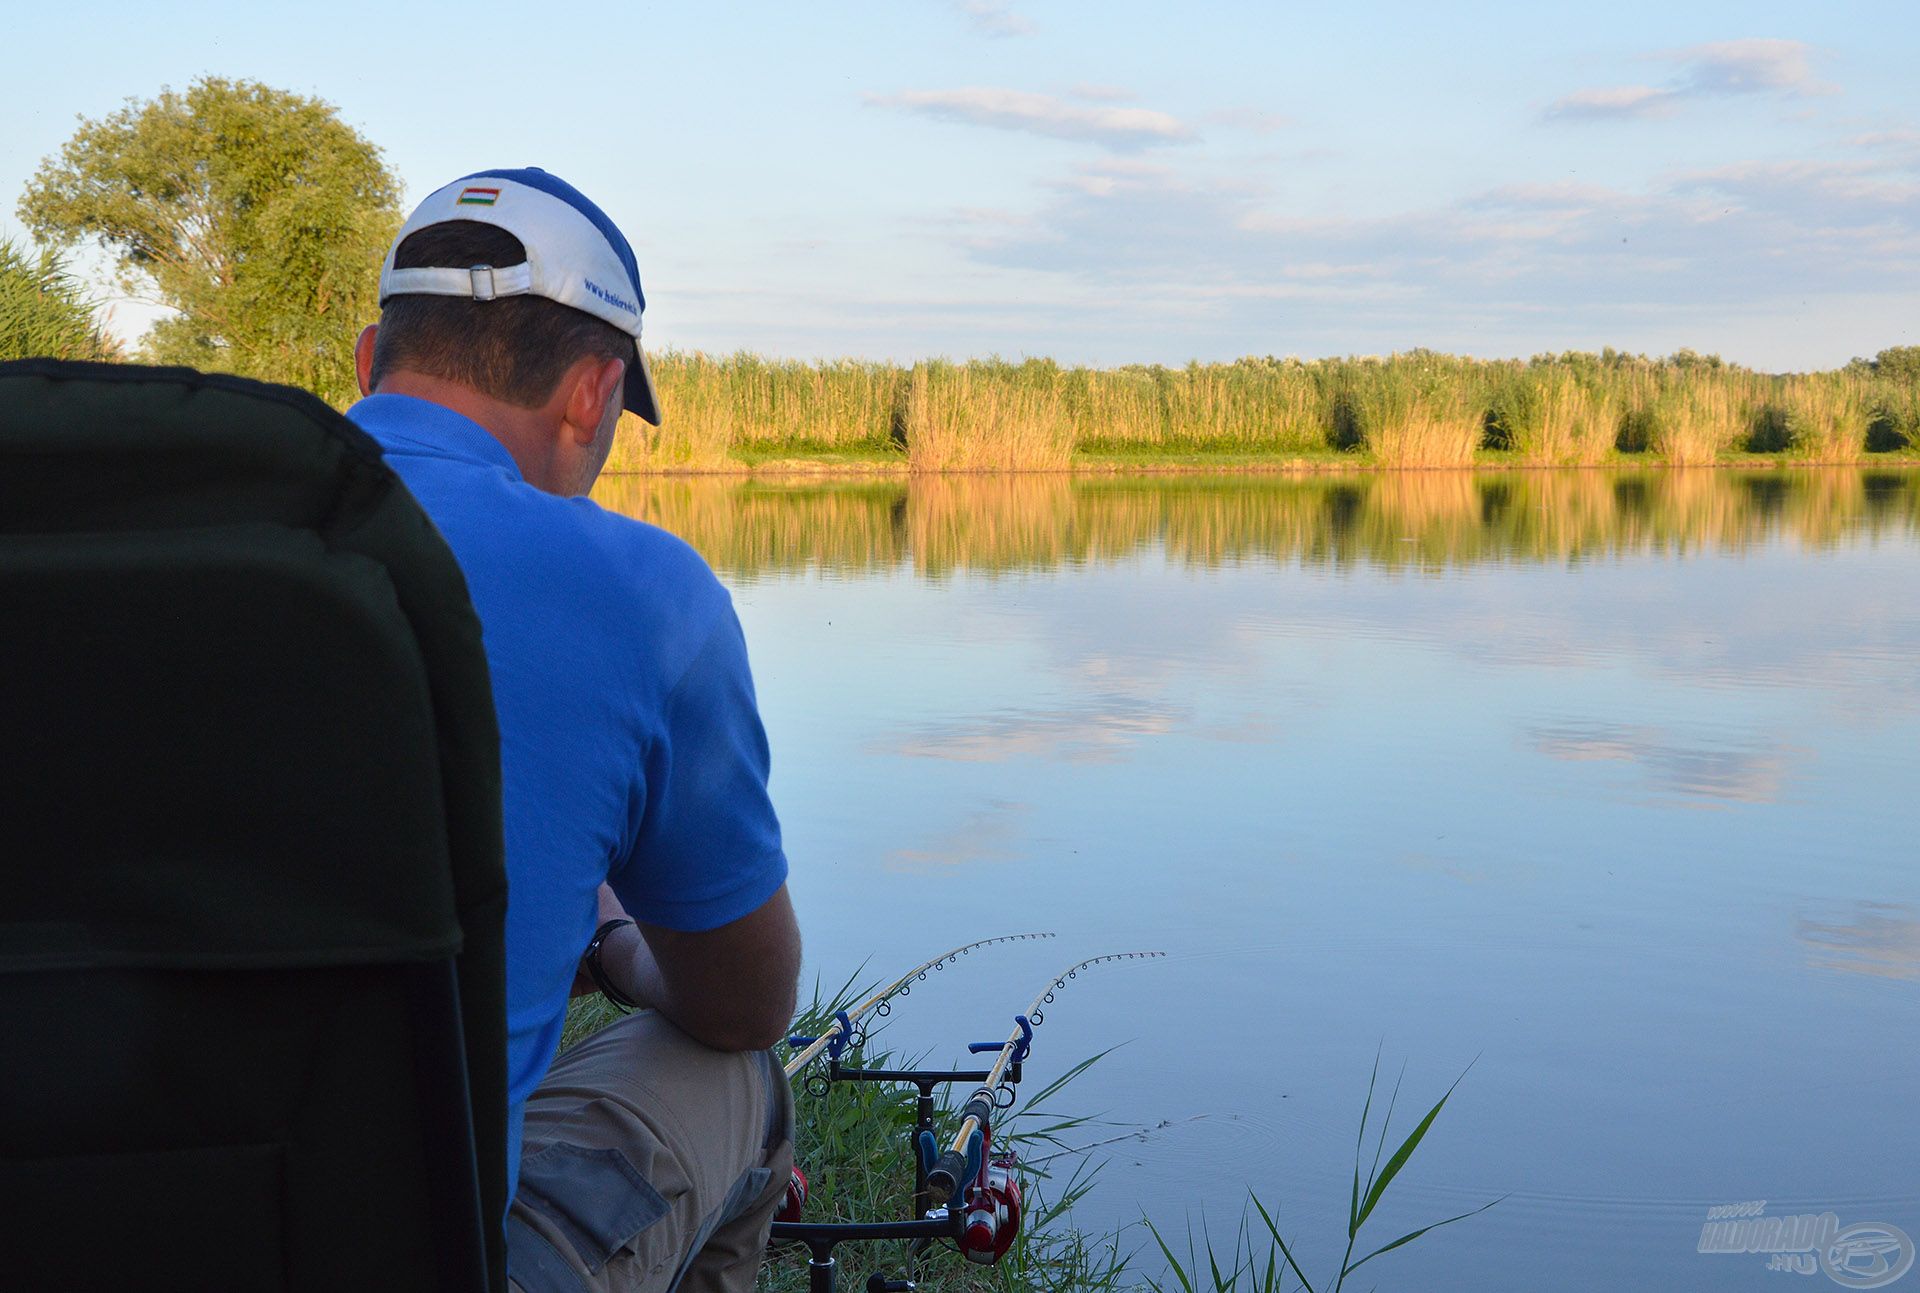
column 707, row 849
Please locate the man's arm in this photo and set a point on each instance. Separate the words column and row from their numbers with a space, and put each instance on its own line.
column 731, row 988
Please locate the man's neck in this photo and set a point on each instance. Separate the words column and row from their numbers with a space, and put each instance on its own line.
column 526, row 434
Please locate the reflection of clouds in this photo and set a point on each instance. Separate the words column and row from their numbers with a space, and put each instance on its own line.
column 989, row 834
column 1750, row 775
column 1100, row 731
column 1881, row 939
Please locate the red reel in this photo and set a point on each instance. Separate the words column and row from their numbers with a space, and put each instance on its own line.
column 992, row 1220
column 796, row 1198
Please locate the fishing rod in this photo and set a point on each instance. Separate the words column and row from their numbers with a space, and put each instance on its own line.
column 990, row 1208
column 988, row 1219
column 844, row 1029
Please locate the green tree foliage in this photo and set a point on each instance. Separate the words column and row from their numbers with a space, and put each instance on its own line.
column 1901, row 363
column 257, row 215
column 43, row 310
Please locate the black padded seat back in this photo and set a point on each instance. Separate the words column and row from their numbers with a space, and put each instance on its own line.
column 251, row 884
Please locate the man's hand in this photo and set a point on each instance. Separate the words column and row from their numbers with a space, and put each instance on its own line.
column 731, row 988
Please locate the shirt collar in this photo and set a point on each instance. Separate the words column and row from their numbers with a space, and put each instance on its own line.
column 409, row 423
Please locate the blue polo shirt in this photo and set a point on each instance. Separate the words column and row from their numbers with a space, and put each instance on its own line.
column 631, row 749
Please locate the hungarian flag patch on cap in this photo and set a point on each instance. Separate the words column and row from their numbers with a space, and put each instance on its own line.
column 473, row 196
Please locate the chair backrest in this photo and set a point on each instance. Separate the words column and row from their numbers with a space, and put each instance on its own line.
column 251, row 888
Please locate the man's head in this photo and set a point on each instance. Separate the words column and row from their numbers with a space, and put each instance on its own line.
column 513, row 299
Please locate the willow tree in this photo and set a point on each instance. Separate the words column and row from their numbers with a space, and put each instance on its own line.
column 44, row 311
column 256, row 215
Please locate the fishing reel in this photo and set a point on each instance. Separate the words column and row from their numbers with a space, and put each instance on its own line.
column 965, row 1194
column 795, row 1200
column 991, row 1221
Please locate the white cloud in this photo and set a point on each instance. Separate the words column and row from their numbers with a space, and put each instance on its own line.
column 1508, row 270
column 992, row 18
column 1615, row 101
column 1041, row 114
column 1718, row 69
column 1751, row 66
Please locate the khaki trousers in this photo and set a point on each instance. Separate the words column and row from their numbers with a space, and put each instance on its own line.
column 649, row 1163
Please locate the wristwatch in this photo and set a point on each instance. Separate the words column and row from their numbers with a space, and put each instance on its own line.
column 597, row 972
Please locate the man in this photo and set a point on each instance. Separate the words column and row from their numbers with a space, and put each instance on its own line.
column 643, row 855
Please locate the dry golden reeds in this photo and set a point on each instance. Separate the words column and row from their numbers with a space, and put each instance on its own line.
column 1418, row 409
column 958, row 418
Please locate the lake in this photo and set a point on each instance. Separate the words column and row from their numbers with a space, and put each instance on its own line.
column 1603, row 788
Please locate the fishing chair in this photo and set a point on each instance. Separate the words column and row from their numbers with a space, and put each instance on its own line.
column 251, row 893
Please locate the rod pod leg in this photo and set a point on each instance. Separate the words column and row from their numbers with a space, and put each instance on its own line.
column 821, row 1268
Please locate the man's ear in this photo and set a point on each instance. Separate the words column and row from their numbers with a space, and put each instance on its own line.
column 593, row 384
column 363, row 356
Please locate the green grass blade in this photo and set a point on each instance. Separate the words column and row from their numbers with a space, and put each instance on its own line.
column 1409, row 1238
column 1393, row 1102
column 1053, row 1088
column 1285, row 1251
column 1173, row 1263
column 1360, row 1145
column 1405, row 1152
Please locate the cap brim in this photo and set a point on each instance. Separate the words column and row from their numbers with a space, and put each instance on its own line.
column 640, row 397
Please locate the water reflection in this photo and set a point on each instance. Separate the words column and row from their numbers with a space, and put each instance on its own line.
column 1097, row 732
column 1737, row 771
column 1428, row 520
column 1876, row 938
column 994, row 832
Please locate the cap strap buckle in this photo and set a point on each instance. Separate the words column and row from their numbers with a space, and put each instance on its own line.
column 487, row 292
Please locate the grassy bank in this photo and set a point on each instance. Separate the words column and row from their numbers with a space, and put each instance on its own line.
column 851, row 1139
column 1419, row 409
column 852, row 1142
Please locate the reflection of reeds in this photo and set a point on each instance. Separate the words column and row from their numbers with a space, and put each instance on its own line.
column 994, row 523
column 1421, row 520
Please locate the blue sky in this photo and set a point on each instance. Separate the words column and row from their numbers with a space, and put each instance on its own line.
column 1118, row 182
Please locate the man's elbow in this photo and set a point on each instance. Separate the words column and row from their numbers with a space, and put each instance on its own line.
column 756, row 1030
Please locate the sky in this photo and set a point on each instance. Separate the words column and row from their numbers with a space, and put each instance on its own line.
column 1122, row 182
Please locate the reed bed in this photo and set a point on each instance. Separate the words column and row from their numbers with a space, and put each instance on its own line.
column 1412, row 410
column 968, row 417
column 1550, row 415
column 1424, row 411
column 1824, row 418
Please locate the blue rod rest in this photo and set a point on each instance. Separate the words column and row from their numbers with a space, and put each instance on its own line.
column 837, row 1046
column 1020, row 1048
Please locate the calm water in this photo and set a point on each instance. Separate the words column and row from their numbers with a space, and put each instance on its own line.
column 1609, row 781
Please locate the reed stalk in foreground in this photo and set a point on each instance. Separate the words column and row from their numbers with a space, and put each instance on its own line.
column 1247, row 1267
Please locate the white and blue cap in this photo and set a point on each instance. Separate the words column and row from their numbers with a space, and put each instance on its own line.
column 575, row 255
